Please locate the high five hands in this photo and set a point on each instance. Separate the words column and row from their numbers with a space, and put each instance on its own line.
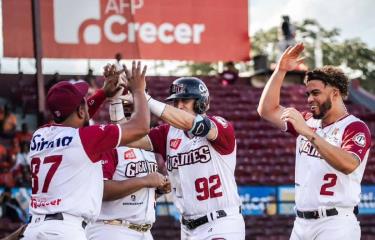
column 291, row 58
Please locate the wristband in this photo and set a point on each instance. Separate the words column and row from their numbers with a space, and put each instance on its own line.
column 116, row 110
column 156, row 107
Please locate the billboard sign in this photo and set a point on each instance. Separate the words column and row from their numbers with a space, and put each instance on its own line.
column 204, row 30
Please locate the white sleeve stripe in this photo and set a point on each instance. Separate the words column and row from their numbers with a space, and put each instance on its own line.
column 119, row 135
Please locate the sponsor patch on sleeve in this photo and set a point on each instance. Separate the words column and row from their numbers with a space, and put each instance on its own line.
column 360, row 139
column 222, row 121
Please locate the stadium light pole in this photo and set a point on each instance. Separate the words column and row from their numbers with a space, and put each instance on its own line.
column 316, row 36
column 38, row 53
column 318, row 52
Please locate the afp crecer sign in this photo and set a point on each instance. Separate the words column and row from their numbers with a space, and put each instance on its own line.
column 204, row 30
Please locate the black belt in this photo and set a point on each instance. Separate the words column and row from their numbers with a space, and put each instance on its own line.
column 58, row 216
column 194, row 223
column 315, row 214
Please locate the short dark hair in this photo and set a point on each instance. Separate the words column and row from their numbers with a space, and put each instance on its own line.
column 330, row 75
column 59, row 119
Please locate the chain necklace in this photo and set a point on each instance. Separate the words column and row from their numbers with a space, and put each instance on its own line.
column 325, row 133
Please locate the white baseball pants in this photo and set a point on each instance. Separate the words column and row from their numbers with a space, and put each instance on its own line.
column 343, row 226
column 67, row 229
column 231, row 227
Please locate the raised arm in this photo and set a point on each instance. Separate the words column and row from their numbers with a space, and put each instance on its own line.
column 174, row 116
column 95, row 101
column 139, row 124
column 269, row 104
column 110, row 88
column 183, row 120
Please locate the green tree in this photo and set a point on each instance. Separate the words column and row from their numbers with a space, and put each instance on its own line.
column 356, row 55
column 352, row 53
column 262, row 41
column 197, row 69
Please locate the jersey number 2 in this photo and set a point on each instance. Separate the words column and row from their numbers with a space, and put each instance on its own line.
column 331, row 180
column 208, row 188
column 35, row 165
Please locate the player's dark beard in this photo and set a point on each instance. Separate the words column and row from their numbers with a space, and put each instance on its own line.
column 323, row 109
column 86, row 123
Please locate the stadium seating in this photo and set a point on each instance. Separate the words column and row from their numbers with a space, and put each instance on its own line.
column 166, row 227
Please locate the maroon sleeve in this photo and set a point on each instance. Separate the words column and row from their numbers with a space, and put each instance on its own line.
column 158, row 137
column 289, row 127
column 356, row 139
column 95, row 101
column 98, row 139
column 109, row 165
column 225, row 140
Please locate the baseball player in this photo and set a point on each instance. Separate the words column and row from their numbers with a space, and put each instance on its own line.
column 200, row 154
column 331, row 152
column 67, row 177
column 131, row 179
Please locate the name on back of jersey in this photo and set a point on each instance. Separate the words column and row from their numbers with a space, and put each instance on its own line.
column 199, row 155
column 38, row 142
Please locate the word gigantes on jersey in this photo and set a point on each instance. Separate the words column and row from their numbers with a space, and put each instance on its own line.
column 135, row 168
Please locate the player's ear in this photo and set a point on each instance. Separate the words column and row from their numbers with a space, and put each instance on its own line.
column 81, row 111
column 336, row 93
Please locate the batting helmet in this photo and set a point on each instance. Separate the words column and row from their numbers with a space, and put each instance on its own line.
column 190, row 88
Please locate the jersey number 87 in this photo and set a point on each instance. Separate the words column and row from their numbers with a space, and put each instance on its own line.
column 35, row 165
